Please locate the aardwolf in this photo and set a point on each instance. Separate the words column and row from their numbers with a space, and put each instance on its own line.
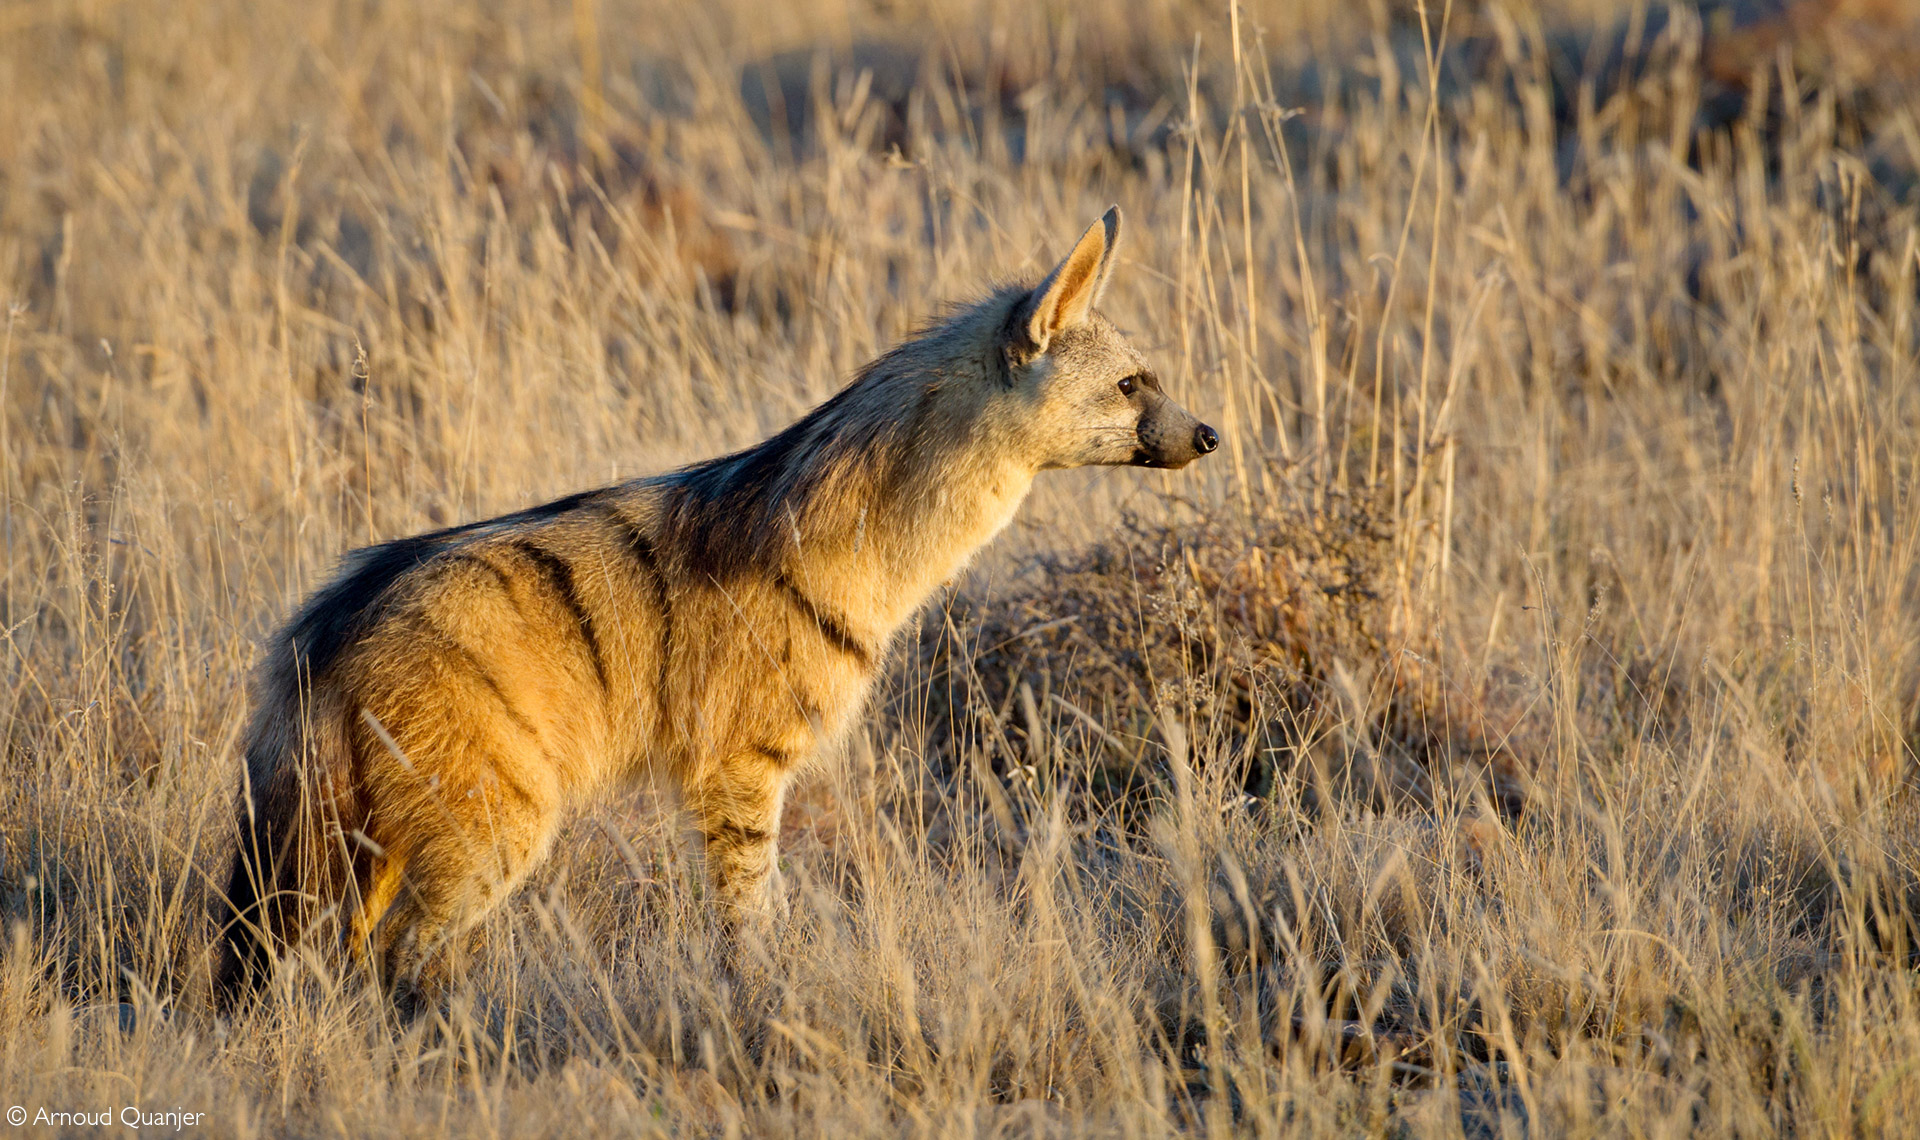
column 428, row 719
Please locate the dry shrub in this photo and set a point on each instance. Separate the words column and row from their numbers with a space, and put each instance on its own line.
column 1279, row 640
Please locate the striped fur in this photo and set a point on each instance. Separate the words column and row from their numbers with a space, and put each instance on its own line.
column 426, row 721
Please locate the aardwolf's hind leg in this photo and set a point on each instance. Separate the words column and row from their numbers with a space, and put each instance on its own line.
column 418, row 964
column 381, row 887
column 424, row 939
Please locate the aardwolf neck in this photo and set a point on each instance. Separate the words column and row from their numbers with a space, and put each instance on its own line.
column 878, row 556
column 877, row 496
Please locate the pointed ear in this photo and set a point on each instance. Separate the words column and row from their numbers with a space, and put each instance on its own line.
column 1069, row 293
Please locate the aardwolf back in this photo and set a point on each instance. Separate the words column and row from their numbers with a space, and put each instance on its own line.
column 426, row 721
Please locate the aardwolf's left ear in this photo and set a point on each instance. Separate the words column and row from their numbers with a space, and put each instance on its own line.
column 1068, row 294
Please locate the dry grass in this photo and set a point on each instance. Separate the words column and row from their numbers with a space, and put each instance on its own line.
column 1510, row 730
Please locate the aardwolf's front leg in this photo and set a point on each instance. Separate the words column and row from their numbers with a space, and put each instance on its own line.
column 737, row 809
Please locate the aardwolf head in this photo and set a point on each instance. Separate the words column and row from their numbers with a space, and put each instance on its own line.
column 1089, row 396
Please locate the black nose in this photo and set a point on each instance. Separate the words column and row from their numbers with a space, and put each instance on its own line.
column 1205, row 439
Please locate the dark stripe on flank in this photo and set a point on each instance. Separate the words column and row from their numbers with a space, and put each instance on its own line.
column 831, row 626
column 340, row 612
column 560, row 577
column 499, row 575
column 638, row 544
column 641, row 547
column 518, row 790
column 480, row 670
column 735, row 833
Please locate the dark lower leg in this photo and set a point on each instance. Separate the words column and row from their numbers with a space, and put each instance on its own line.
column 741, row 831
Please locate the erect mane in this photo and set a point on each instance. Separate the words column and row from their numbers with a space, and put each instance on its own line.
column 744, row 511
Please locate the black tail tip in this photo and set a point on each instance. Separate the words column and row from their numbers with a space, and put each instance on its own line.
column 245, row 960
column 242, row 970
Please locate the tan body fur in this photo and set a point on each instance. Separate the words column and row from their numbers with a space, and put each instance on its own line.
column 429, row 719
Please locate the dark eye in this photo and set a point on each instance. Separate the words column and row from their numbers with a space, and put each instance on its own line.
column 1126, row 386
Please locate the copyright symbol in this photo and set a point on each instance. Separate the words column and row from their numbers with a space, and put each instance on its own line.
column 16, row 1116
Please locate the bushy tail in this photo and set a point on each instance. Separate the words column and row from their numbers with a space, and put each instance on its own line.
column 288, row 865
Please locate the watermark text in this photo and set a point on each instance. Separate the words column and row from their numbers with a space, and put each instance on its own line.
column 137, row 1117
